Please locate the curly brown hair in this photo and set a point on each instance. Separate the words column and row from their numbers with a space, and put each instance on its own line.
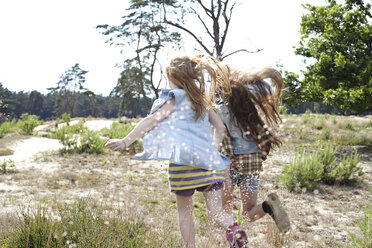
column 253, row 103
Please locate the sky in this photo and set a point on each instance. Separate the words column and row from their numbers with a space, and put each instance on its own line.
column 40, row 39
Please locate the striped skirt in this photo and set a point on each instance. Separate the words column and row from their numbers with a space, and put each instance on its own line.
column 183, row 177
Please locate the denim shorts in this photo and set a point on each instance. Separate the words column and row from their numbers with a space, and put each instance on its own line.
column 190, row 192
column 247, row 183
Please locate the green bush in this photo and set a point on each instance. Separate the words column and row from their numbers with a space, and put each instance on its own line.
column 8, row 127
column 366, row 125
column 345, row 171
column 354, row 140
column 307, row 170
column 27, row 123
column 320, row 123
column 81, row 224
column 283, row 110
column 325, row 134
column 307, row 117
column 77, row 138
column 61, row 133
column 88, row 141
column 66, row 118
column 348, row 125
column 366, row 228
column 304, row 171
column 7, row 166
column 119, row 131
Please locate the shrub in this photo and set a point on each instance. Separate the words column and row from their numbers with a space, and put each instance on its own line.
column 283, row 110
column 304, row 171
column 81, row 224
column 27, row 123
column 320, row 123
column 345, row 171
column 7, row 166
column 307, row 170
column 348, row 125
column 325, row 134
column 61, row 133
column 8, row 127
column 66, row 118
column 77, row 138
column 120, row 130
column 365, row 227
column 307, row 117
column 366, row 124
column 354, row 139
column 88, row 141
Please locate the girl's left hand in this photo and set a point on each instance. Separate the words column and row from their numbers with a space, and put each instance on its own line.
column 115, row 144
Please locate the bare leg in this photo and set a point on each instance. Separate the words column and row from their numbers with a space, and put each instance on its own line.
column 185, row 219
column 227, row 194
column 216, row 213
column 250, row 209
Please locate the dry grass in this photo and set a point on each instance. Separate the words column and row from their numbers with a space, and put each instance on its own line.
column 319, row 218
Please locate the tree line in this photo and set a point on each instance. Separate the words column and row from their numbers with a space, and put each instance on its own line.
column 335, row 42
column 50, row 106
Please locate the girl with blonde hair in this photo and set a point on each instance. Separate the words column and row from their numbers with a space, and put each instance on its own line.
column 178, row 129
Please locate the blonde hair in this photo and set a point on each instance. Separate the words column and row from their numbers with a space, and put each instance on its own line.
column 188, row 73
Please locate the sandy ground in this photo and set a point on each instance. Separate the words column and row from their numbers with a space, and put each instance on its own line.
column 321, row 218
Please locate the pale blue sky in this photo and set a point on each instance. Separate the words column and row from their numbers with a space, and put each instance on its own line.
column 40, row 39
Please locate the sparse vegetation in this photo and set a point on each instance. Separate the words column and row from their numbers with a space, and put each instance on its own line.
column 27, row 123
column 140, row 189
column 7, row 166
column 120, row 130
column 307, row 170
column 365, row 227
column 82, row 224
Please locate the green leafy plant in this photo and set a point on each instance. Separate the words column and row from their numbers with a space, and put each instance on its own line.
column 307, row 170
column 304, row 171
column 120, row 130
column 86, row 142
column 365, row 227
column 345, row 171
column 347, row 125
column 81, row 224
column 325, row 134
column 7, row 127
column 66, row 118
column 27, row 123
column 63, row 132
column 7, row 166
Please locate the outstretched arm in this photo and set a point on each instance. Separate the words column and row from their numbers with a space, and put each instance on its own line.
column 219, row 127
column 142, row 127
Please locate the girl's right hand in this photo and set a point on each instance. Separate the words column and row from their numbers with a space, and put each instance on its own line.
column 115, row 144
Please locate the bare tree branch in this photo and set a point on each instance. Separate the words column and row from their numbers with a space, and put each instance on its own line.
column 241, row 50
column 191, row 33
column 207, row 11
column 227, row 22
column 203, row 23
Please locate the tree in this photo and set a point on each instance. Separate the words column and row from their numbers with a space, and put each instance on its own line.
column 69, row 86
column 5, row 95
column 143, row 33
column 338, row 38
column 213, row 17
column 36, row 103
column 291, row 94
column 128, row 91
